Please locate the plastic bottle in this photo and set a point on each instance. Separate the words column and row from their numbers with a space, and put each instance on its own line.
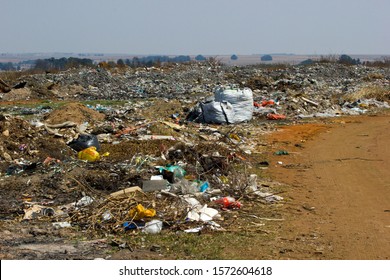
column 228, row 202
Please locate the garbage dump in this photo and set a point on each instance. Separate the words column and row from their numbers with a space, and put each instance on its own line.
column 165, row 173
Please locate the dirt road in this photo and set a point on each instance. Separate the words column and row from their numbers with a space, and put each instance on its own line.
column 339, row 200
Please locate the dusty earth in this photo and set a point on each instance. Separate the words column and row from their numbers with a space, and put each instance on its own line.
column 340, row 188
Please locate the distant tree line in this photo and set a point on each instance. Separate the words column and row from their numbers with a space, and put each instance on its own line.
column 146, row 61
column 62, row 63
column 15, row 66
column 266, row 57
column 7, row 66
column 156, row 60
column 383, row 62
column 342, row 59
column 152, row 60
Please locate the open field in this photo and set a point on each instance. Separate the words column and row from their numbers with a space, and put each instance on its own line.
column 243, row 59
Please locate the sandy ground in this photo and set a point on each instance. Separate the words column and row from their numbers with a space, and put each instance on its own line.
column 340, row 188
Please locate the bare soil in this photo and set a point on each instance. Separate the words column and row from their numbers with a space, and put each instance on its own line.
column 340, row 188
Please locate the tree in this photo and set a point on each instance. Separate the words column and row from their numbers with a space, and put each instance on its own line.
column 136, row 61
column 111, row 64
column 306, row 62
column 346, row 59
column 266, row 57
column 120, row 63
column 41, row 64
column 234, row 57
column 200, row 58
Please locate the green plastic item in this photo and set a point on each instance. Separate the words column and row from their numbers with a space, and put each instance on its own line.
column 281, row 153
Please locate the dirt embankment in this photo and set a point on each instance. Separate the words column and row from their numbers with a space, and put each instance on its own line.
column 340, row 188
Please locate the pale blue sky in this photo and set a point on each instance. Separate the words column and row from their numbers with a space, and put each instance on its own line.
column 208, row 27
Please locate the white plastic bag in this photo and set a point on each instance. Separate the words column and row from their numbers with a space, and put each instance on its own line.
column 153, row 227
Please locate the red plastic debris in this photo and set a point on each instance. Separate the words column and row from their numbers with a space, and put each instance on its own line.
column 275, row 116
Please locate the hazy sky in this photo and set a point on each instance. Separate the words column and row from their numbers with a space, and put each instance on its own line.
column 196, row 26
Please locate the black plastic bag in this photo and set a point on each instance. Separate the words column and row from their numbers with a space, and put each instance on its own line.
column 84, row 141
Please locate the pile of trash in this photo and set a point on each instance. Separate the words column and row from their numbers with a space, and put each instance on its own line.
column 103, row 175
column 325, row 84
column 184, row 205
column 180, row 152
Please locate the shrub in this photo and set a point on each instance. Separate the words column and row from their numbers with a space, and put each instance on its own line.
column 266, row 57
column 346, row 59
column 200, row 58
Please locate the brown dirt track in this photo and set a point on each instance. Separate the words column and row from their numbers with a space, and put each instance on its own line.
column 339, row 201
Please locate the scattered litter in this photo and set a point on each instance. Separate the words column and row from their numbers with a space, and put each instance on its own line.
column 107, row 215
column 281, row 152
column 59, row 225
column 139, row 212
column 173, row 125
column 84, row 201
column 85, row 141
column 193, row 230
column 153, row 227
column 172, row 173
column 154, row 185
column 125, row 192
column 89, row 154
column 201, row 213
column 133, row 225
column 228, row 202
column 38, row 211
column 271, row 116
column 156, row 137
column 309, row 101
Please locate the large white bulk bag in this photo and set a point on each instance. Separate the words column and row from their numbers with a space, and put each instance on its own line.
column 217, row 112
column 241, row 100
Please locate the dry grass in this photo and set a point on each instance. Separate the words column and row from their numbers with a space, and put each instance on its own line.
column 373, row 77
column 376, row 92
column 11, row 77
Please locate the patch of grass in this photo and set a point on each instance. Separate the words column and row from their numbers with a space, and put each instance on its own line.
column 376, row 92
column 209, row 246
column 373, row 77
column 104, row 102
column 12, row 77
column 161, row 129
